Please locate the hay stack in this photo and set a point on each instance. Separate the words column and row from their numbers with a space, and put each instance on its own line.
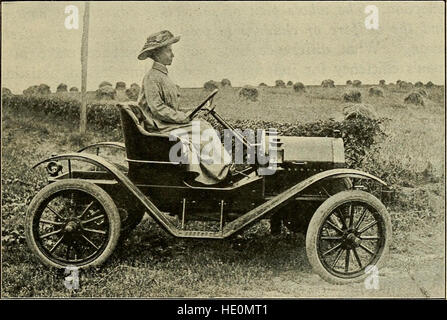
column 210, row 85
column 120, row 85
column 429, row 84
column 106, row 93
column 422, row 92
column 375, row 91
column 62, row 87
column 405, row 85
column 299, row 87
column 280, row 84
column 249, row 93
column 225, row 83
column 104, row 84
column 133, row 92
column 74, row 89
column 328, row 83
column 359, row 110
column 356, row 83
column 414, row 98
column 352, row 96
column 262, row 84
column 6, row 92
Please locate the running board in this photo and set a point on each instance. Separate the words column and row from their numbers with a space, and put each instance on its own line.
column 199, row 234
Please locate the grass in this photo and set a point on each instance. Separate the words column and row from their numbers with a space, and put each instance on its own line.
column 153, row 264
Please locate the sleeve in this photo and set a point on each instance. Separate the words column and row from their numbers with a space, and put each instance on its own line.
column 157, row 106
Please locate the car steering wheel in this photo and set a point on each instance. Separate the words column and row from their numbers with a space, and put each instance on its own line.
column 207, row 102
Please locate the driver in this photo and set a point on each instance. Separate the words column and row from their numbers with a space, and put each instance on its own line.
column 159, row 102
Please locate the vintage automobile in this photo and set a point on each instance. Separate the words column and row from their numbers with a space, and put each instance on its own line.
column 80, row 216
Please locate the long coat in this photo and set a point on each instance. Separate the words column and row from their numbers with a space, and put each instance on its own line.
column 159, row 102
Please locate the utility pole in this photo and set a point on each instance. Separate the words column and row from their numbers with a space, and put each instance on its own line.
column 84, row 58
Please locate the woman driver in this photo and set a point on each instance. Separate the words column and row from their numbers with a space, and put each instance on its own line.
column 159, row 101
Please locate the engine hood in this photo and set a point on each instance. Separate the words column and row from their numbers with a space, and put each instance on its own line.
column 312, row 149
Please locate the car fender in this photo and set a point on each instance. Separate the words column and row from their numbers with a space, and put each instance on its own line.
column 121, row 178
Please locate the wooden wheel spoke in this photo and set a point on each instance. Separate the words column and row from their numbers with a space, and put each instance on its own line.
column 362, row 217
column 57, row 244
column 333, row 226
column 92, row 219
column 330, row 238
column 366, row 249
column 90, row 242
column 339, row 215
column 348, row 252
column 55, row 212
column 51, row 222
column 370, row 238
column 356, row 255
column 337, row 257
column 369, row 226
column 94, row 231
column 86, row 209
column 50, row 234
column 351, row 215
column 332, row 249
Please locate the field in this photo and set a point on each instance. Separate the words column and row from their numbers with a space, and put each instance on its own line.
column 153, row 264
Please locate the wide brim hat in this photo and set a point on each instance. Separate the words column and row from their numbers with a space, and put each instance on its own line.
column 157, row 40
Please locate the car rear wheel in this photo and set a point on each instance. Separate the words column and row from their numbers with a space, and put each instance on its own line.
column 349, row 233
column 72, row 223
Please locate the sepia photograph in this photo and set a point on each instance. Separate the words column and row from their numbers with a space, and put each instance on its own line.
column 223, row 150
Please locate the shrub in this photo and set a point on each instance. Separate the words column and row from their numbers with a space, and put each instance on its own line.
column 280, row 84
column 6, row 92
column 120, row 85
column 328, row 83
column 74, row 89
column 289, row 83
column 225, row 83
column 249, row 92
column 299, row 87
column 352, row 96
column 398, row 81
column 106, row 93
column 210, row 85
column 414, row 98
column 418, row 84
column 356, row 83
column 382, row 83
column 348, row 82
column 62, row 87
column 262, row 84
column 359, row 110
column 375, row 91
column 429, row 84
column 105, row 84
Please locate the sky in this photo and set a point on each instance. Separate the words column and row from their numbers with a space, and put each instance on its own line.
column 246, row 42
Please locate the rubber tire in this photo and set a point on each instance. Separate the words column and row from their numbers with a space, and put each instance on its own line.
column 74, row 184
column 320, row 216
